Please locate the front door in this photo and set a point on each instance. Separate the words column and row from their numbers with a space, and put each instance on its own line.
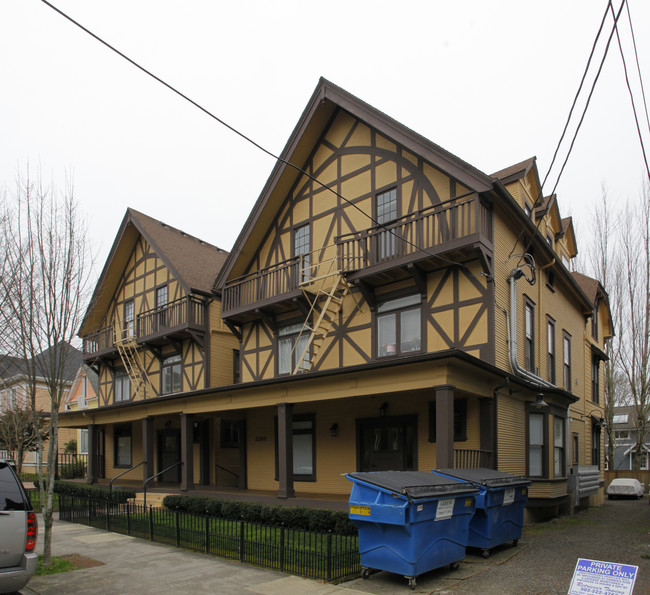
column 387, row 444
column 169, row 452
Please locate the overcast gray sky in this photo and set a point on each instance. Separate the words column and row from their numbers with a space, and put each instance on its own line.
column 492, row 82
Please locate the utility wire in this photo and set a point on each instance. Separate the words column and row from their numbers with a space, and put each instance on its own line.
column 252, row 142
column 638, row 67
column 584, row 113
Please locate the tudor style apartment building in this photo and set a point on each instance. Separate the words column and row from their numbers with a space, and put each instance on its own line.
column 386, row 306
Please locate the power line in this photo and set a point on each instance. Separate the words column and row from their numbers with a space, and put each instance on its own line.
column 251, row 141
column 638, row 67
column 582, row 117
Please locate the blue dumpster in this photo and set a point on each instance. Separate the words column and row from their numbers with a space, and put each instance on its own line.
column 499, row 513
column 410, row 522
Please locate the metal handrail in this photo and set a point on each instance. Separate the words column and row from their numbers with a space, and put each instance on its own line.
column 227, row 470
column 179, row 462
column 110, row 485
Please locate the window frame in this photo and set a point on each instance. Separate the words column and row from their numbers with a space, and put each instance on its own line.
column 397, row 311
column 299, row 419
column 566, row 360
column 301, row 248
column 542, row 447
column 529, row 334
column 551, row 351
column 167, row 368
column 229, row 434
column 595, row 379
column 129, row 318
column 282, row 335
column 387, row 246
column 559, row 448
column 236, row 366
column 121, row 379
column 122, row 431
column 161, row 308
column 83, row 441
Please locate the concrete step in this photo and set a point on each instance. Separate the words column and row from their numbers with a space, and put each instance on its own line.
column 153, row 499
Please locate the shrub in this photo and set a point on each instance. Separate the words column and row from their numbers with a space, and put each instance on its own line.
column 90, row 491
column 292, row 517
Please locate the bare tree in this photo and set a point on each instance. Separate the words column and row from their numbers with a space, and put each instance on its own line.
column 19, row 431
column 633, row 314
column 46, row 280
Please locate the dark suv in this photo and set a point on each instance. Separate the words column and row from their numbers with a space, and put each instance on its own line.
column 18, row 532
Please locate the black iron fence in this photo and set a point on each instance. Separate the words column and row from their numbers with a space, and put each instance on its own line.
column 72, row 465
column 324, row 556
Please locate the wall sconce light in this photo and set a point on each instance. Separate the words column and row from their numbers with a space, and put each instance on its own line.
column 539, row 401
column 382, row 409
column 597, row 419
column 334, row 430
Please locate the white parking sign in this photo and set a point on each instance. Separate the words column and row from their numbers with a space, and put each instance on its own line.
column 593, row 577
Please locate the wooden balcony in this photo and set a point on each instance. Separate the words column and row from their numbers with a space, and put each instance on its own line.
column 176, row 320
column 457, row 229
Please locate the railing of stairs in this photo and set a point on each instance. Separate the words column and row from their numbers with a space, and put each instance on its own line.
column 110, row 485
column 179, row 462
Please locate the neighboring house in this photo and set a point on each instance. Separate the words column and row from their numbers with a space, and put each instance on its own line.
column 14, row 390
column 417, row 314
column 625, row 438
column 82, row 396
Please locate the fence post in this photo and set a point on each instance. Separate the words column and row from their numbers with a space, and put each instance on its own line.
column 241, row 541
column 282, row 548
column 178, row 530
column 151, row 536
column 128, row 518
column 329, row 556
column 207, row 534
column 90, row 512
column 108, row 515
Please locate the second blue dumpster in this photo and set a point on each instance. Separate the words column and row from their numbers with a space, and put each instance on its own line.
column 410, row 522
column 499, row 514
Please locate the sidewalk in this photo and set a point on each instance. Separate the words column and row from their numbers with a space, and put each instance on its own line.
column 543, row 563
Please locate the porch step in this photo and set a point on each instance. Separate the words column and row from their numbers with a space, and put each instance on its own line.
column 154, row 499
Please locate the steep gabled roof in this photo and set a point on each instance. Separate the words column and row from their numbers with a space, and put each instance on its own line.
column 569, row 233
column 325, row 101
column 193, row 262
column 11, row 366
column 515, row 172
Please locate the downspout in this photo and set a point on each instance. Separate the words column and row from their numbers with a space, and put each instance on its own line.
column 511, row 320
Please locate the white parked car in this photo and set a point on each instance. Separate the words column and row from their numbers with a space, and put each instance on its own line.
column 625, row 488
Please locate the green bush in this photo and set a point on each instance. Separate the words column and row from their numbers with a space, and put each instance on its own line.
column 90, row 491
column 308, row 519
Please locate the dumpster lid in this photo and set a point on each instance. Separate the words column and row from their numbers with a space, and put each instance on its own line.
column 413, row 484
column 490, row 478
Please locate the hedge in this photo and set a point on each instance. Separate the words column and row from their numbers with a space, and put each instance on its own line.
column 309, row 519
column 90, row 491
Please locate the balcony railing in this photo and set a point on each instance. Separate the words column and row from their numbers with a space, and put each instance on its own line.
column 448, row 226
column 185, row 313
column 445, row 226
column 472, row 459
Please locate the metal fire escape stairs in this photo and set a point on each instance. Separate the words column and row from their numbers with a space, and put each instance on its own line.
column 325, row 294
column 127, row 347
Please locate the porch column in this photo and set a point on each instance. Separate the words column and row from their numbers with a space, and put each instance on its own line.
column 285, row 450
column 91, row 469
column 445, row 426
column 148, row 468
column 187, row 452
column 488, row 443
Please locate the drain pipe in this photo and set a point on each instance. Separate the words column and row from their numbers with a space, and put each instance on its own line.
column 511, row 321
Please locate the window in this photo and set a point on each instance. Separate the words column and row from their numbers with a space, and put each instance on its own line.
column 83, row 442
column 129, row 318
column 162, row 299
column 558, row 447
column 528, row 210
column 289, row 339
column 550, row 348
column 386, row 212
column 529, row 309
column 122, row 386
column 229, row 433
column 536, row 444
column 122, row 446
column 594, row 324
column 595, row 445
column 621, row 435
column 302, row 248
column 567, row 361
column 236, row 366
column 399, row 329
column 576, row 450
column 460, row 420
column 595, row 379
column 171, row 375
column 550, row 280
column 304, row 447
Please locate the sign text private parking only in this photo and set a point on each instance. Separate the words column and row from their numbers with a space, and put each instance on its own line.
column 592, row 577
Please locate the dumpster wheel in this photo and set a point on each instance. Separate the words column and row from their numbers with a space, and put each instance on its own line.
column 365, row 572
column 485, row 554
column 411, row 580
column 454, row 565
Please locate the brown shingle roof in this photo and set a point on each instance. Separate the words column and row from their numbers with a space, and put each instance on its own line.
column 587, row 284
column 195, row 262
column 514, row 172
